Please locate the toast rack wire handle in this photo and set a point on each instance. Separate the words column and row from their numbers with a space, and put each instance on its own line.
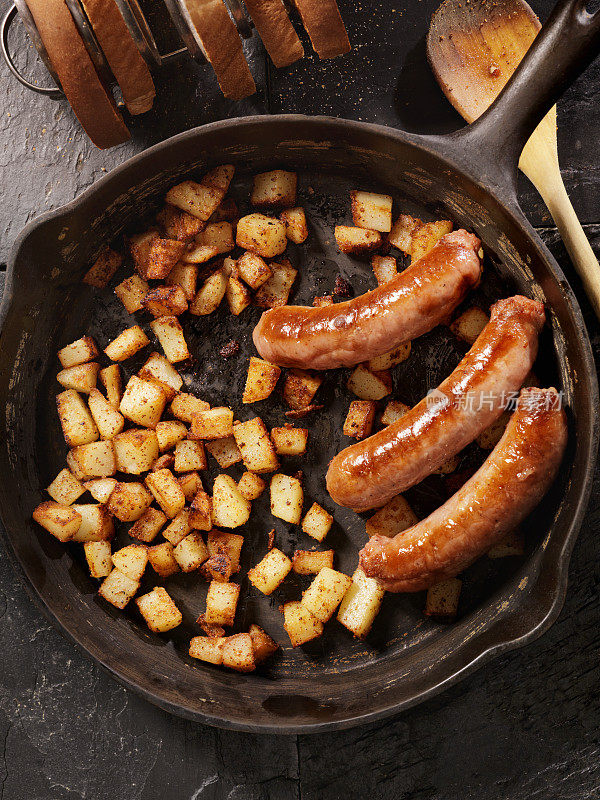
column 7, row 20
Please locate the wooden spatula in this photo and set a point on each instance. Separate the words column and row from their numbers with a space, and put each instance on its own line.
column 474, row 46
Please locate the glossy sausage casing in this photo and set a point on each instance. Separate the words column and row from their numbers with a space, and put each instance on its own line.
column 506, row 488
column 409, row 305
column 371, row 472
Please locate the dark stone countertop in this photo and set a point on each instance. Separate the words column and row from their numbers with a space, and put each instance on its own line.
column 526, row 726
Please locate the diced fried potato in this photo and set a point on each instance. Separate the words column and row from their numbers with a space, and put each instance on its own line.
column 470, row 324
column 300, row 387
column 261, row 380
column 201, row 511
column 186, row 276
column 253, row 270
column 300, row 625
column 289, row 441
column 296, row 228
column 360, row 604
column 165, row 301
column 442, row 599
column 394, row 411
column 238, row 296
column 159, row 610
column 147, row 527
column 262, row 235
column 276, row 290
column 450, row 465
column 131, row 560
column 117, row 589
column 225, row 451
column 167, row 492
column 96, row 523
column 214, row 423
column 101, row 488
column 317, row 522
column 251, row 486
column 78, row 352
column 402, row 232
column 325, row 593
column 65, row 488
column 311, row 562
column 218, row 568
column 191, row 552
column 425, row 238
column 108, row 421
column 255, row 445
column 136, row 450
column 76, row 421
column 143, row 402
column 287, row 497
column 385, row 268
column 94, row 460
column 221, row 602
column 207, row 649
column 190, row 483
column 169, row 333
column 169, row 433
column 262, row 644
column 110, row 378
column 219, row 177
column 178, row 528
column 97, row 555
column 391, row 359
column 369, row 385
column 359, row 421
column 210, row 294
column 228, row 210
column 238, row 653
column 166, row 461
column 371, row 211
column 200, row 254
column 103, row 268
column 394, row 517
column 158, row 369
column 189, row 456
column 274, row 189
column 218, row 235
column 228, row 544
column 82, row 378
column 179, row 224
column 270, row 571
column 230, row 509
column 163, row 255
column 131, row 292
column 197, row 199
column 128, row 501
column 184, row 406
column 60, row 520
column 127, row 344
column 511, row 545
column 162, row 560
column 356, row 241
column 490, row 437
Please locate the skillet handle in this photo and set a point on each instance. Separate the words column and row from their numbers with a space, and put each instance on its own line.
column 565, row 46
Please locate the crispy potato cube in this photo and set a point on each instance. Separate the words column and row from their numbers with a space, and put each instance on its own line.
column 426, row 237
column 162, row 560
column 238, row 653
column 287, row 497
column 184, row 406
column 219, row 177
column 118, row 589
column 199, row 200
column 256, row 447
column 166, row 461
column 60, row 520
column 470, row 324
column 276, row 290
column 166, row 300
column 190, row 484
column 127, row 344
column 167, row 492
column 359, row 421
column 270, row 571
column 394, row 411
column 155, row 257
column 82, row 378
column 191, row 552
column 300, row 625
column 218, row 568
column 78, row 352
column 143, row 402
column 238, row 296
column 402, row 232
column 442, row 599
column 391, row 359
column 131, row 292
column 369, row 385
column 189, row 456
column 97, row 555
column 108, row 421
column 230, row 509
column 169, row 433
column 169, row 333
column 262, row 235
column 147, row 527
column 103, row 268
column 325, row 593
column 178, row 528
column 101, row 488
column 159, row 610
column 131, row 560
column 274, row 189
column 214, row 423
column 289, row 441
column 300, row 387
column 210, row 294
column 356, row 241
column 186, row 276
column 221, row 603
column 76, row 421
column 228, row 210
column 94, row 460
column 225, row 451
column 96, row 523
column 158, row 369
column 262, row 644
column 207, row 649
column 511, row 545
column 385, row 268
column 179, row 224
column 136, row 450
column 218, row 235
column 251, row 486
column 110, row 378
column 65, row 488
column 128, row 501
column 394, row 517
column 371, row 211
column 200, row 254
column 296, row 228
column 253, row 270
column 317, row 522
column 311, row 562
column 360, row 604
column 261, row 380
column 227, row 544
column 490, row 437
column 201, row 511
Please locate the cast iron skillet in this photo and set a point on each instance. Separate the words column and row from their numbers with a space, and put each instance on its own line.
column 470, row 175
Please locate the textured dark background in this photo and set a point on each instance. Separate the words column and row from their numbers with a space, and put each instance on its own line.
column 527, row 726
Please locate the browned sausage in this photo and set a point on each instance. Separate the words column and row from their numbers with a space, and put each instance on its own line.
column 409, row 305
column 506, row 488
column 370, row 473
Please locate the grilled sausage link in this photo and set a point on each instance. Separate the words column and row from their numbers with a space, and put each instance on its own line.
column 409, row 305
column 506, row 488
column 369, row 473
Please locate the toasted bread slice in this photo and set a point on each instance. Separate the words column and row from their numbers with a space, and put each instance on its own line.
column 275, row 29
column 325, row 27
